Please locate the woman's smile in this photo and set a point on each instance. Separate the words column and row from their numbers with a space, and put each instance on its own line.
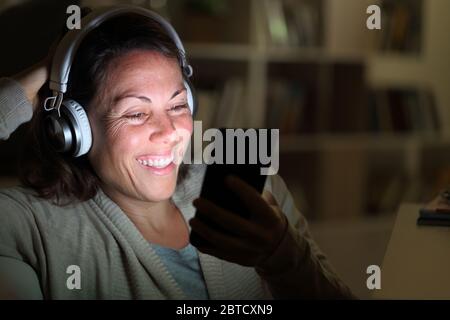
column 160, row 164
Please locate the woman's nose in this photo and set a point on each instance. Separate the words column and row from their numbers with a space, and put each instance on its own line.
column 163, row 131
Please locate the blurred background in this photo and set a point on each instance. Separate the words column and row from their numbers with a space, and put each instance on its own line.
column 364, row 115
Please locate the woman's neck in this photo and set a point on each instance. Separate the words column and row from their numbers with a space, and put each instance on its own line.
column 159, row 222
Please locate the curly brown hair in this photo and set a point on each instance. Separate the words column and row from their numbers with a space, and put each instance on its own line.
column 60, row 177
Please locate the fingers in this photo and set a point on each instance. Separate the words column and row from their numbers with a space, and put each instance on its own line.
column 32, row 80
column 269, row 198
column 251, row 199
column 229, row 220
column 244, row 241
column 236, row 250
column 224, row 244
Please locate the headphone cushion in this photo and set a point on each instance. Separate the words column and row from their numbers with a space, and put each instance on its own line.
column 80, row 124
column 191, row 96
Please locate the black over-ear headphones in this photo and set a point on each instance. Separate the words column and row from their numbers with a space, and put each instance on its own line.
column 67, row 125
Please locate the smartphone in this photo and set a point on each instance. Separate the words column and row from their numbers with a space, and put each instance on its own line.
column 214, row 187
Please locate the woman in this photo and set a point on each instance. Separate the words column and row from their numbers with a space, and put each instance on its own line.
column 115, row 223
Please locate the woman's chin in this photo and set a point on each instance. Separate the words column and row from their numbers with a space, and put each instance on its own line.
column 160, row 192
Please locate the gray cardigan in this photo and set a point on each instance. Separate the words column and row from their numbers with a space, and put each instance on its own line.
column 39, row 241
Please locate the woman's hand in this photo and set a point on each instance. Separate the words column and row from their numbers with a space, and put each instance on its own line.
column 32, row 80
column 247, row 242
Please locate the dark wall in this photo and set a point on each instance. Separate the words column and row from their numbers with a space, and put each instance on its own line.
column 26, row 32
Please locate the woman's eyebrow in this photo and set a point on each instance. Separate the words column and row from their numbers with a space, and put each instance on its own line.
column 143, row 98
column 125, row 96
column 177, row 92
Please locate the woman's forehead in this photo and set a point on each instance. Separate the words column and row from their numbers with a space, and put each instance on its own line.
column 144, row 60
column 140, row 70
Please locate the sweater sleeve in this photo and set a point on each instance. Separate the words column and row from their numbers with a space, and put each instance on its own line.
column 15, row 108
column 298, row 269
column 20, row 238
column 18, row 280
column 21, row 248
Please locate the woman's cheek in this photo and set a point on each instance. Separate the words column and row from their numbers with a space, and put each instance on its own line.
column 184, row 131
column 186, row 124
column 127, row 139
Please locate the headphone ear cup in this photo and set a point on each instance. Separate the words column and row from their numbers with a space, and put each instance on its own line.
column 192, row 100
column 58, row 133
column 79, row 125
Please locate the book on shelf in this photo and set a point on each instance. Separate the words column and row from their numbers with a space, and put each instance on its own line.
column 379, row 113
column 403, row 110
column 298, row 106
column 347, row 103
column 276, row 22
column 207, row 103
column 286, row 102
column 400, row 110
column 227, row 112
column 290, row 107
column 401, row 26
column 222, row 107
column 294, row 23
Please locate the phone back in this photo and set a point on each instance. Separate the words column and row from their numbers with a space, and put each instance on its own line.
column 214, row 187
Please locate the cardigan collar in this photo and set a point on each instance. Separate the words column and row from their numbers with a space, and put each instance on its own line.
column 186, row 191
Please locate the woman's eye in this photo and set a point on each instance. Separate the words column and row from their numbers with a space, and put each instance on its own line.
column 179, row 107
column 136, row 116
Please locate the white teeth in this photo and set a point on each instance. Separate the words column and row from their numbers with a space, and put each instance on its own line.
column 157, row 163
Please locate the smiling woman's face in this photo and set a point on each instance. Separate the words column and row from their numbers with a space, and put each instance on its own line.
column 141, row 127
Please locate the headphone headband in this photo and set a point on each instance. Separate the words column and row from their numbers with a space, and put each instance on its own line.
column 68, row 46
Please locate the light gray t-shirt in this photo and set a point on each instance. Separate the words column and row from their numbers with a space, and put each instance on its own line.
column 184, row 266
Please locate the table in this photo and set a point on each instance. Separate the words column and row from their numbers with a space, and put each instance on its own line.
column 417, row 260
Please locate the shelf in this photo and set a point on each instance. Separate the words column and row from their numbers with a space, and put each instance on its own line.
column 240, row 52
column 289, row 54
column 396, row 69
column 306, row 143
column 218, row 51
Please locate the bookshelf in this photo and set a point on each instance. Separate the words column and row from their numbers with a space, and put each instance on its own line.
column 342, row 156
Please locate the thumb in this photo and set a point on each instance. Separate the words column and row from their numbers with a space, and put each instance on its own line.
column 269, row 198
